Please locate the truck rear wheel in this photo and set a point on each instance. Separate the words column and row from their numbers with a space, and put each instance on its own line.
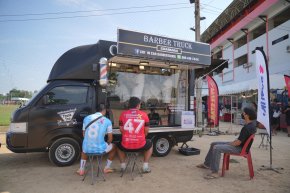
column 64, row 152
column 162, row 146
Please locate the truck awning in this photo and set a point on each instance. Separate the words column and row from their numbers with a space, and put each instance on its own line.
column 217, row 65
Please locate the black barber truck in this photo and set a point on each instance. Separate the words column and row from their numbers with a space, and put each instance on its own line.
column 158, row 70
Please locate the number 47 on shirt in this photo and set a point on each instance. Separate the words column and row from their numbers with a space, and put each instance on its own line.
column 134, row 125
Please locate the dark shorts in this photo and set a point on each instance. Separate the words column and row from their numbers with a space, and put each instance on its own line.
column 275, row 121
column 288, row 122
column 146, row 147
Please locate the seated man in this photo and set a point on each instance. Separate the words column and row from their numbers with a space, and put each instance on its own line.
column 154, row 117
column 212, row 160
column 95, row 127
column 134, row 126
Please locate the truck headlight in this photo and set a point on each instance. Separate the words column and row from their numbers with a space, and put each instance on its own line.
column 18, row 127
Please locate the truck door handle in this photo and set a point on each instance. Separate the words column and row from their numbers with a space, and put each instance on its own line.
column 84, row 114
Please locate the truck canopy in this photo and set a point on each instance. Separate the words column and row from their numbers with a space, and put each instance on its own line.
column 80, row 62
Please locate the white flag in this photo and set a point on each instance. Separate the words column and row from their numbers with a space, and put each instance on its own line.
column 263, row 89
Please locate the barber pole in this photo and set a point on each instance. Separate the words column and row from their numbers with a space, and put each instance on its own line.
column 103, row 72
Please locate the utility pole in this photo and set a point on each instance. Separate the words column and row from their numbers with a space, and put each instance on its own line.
column 198, row 83
column 197, row 21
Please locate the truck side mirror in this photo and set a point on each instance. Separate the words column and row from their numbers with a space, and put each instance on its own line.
column 45, row 99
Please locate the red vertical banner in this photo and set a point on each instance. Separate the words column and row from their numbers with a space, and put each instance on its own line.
column 213, row 101
column 287, row 81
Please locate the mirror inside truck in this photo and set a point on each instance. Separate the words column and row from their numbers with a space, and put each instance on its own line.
column 162, row 89
column 45, row 99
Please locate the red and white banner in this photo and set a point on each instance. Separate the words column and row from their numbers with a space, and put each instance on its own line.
column 287, row 81
column 213, row 101
column 263, row 89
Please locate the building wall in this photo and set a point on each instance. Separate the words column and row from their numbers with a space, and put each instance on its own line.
column 279, row 58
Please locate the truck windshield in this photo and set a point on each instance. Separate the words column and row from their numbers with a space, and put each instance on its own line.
column 163, row 92
column 33, row 96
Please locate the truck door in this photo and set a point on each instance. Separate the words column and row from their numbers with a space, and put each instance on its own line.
column 60, row 112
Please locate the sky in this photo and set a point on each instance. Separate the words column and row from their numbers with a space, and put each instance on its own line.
column 35, row 33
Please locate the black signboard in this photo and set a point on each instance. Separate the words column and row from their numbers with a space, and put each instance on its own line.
column 150, row 46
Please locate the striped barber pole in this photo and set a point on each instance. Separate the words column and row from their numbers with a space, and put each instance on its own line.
column 103, row 71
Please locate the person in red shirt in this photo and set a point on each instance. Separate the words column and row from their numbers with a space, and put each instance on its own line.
column 134, row 127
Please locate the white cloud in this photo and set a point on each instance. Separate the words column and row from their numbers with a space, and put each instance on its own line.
column 71, row 2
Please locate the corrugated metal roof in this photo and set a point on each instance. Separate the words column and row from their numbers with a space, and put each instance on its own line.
column 229, row 15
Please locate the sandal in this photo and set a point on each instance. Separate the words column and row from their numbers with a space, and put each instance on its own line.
column 108, row 170
column 211, row 176
column 80, row 172
column 202, row 166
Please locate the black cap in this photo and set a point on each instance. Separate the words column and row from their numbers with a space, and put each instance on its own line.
column 251, row 113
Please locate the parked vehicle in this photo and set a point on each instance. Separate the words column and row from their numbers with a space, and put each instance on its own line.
column 52, row 120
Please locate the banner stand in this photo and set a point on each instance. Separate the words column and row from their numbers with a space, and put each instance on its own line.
column 263, row 110
column 265, row 168
column 212, row 103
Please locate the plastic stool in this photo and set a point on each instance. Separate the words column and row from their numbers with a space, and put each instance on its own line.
column 91, row 157
column 131, row 163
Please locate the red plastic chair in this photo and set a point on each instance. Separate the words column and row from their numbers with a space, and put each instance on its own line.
column 243, row 153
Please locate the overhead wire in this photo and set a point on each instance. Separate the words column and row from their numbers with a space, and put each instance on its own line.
column 94, row 15
column 87, row 11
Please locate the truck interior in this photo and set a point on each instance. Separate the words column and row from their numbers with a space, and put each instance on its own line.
column 162, row 86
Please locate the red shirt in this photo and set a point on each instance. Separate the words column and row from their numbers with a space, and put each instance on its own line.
column 133, row 124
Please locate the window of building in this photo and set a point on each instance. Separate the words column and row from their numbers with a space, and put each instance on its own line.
column 240, row 42
column 163, row 91
column 258, row 31
column 218, row 55
column 278, row 40
column 67, row 95
column 241, row 60
column 281, row 17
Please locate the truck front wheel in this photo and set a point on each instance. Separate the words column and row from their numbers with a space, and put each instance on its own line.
column 161, row 146
column 64, row 152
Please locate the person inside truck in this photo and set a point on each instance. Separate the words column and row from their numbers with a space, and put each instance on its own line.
column 134, row 126
column 154, row 118
column 212, row 160
column 95, row 127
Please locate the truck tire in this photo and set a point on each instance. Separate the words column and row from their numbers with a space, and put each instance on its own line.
column 64, row 152
column 162, row 146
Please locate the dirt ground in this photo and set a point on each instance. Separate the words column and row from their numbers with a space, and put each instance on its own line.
column 33, row 173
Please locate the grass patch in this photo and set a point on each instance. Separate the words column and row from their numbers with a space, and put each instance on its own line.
column 5, row 113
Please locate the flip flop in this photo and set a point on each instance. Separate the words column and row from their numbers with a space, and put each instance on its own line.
column 80, row 172
column 109, row 170
column 211, row 176
column 202, row 166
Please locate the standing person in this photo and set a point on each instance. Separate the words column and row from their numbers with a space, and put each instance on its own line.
column 134, row 126
column 212, row 160
column 275, row 119
column 95, row 127
column 287, row 113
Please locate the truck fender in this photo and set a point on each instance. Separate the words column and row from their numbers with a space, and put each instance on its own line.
column 65, row 132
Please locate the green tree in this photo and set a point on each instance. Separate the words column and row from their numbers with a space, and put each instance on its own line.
column 2, row 97
column 20, row 93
